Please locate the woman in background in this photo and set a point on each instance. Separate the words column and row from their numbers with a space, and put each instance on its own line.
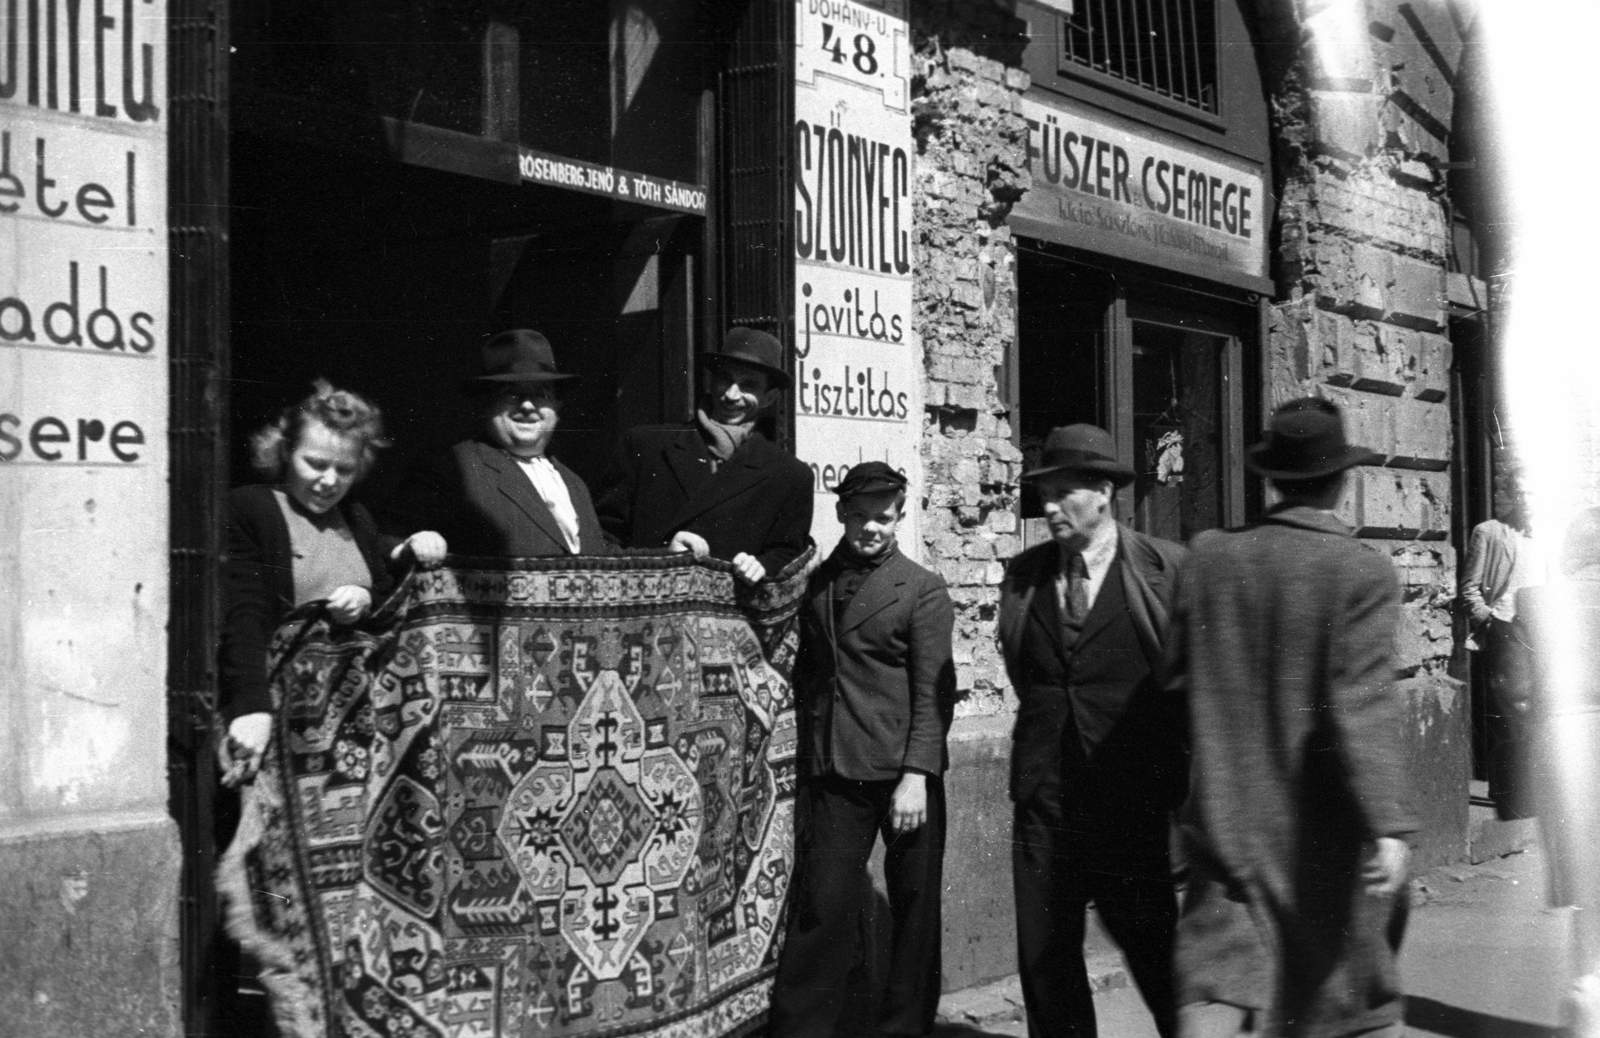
column 295, row 540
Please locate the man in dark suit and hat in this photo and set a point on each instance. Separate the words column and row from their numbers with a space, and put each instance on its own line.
column 500, row 493
column 1283, row 639
column 717, row 486
column 1097, row 759
column 874, row 685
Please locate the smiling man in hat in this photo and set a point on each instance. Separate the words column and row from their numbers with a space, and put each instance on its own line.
column 874, row 688
column 500, row 493
column 1097, row 758
column 717, row 486
column 1283, row 640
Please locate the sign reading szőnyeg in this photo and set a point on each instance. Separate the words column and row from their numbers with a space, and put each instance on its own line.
column 858, row 371
column 1136, row 194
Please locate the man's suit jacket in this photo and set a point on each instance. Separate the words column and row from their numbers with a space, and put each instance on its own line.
column 1100, row 697
column 757, row 502
column 483, row 504
column 876, row 689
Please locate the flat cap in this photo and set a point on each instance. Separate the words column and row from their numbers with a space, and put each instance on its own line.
column 870, row 477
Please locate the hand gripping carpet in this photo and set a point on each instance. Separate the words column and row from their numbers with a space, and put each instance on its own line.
column 555, row 798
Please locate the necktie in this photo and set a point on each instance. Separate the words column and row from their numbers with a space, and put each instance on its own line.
column 1077, row 588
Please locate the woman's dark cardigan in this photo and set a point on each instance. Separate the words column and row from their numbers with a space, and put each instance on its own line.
column 258, row 588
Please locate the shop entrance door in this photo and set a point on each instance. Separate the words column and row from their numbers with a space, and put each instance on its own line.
column 1164, row 370
column 1184, row 423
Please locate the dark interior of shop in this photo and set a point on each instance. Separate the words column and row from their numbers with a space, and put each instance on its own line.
column 1090, row 337
column 381, row 262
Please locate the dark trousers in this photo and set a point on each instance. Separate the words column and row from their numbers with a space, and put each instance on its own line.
column 1057, row 869
column 837, row 822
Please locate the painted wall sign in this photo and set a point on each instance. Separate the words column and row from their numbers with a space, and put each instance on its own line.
column 1111, row 186
column 83, row 403
column 537, row 167
column 858, row 370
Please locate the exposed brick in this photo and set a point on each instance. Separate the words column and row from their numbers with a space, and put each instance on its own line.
column 1384, row 501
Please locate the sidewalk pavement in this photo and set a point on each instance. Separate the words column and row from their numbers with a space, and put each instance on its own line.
column 1483, row 958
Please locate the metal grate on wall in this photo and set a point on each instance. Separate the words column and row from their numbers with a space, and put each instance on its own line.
column 1168, row 47
column 754, row 177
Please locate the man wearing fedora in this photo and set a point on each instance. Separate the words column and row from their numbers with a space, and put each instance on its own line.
column 717, row 486
column 500, row 493
column 1283, row 641
column 874, row 689
column 1097, row 758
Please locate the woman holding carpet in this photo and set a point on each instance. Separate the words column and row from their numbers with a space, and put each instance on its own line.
column 295, row 540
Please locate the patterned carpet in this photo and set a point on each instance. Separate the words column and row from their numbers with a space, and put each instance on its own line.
column 555, row 799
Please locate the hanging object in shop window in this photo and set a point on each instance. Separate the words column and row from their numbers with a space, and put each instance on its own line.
column 1166, row 456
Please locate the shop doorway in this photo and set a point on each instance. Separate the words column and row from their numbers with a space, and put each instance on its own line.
column 358, row 195
column 1162, row 367
column 387, row 278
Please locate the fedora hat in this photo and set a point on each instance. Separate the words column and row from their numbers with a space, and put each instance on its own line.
column 1305, row 440
column 517, row 356
column 1081, row 448
column 752, row 348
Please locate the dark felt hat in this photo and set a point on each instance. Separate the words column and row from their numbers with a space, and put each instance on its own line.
column 517, row 356
column 869, row 477
column 1081, row 448
column 751, row 348
column 1305, row 440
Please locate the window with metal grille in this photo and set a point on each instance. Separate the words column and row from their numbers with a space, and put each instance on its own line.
column 1168, row 47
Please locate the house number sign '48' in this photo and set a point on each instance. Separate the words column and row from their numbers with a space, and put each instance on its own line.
column 865, row 58
column 854, row 42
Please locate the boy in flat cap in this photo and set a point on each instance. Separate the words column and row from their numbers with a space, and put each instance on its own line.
column 874, row 685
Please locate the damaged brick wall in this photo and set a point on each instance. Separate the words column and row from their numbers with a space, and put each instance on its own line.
column 1362, row 136
column 969, row 171
column 1362, row 111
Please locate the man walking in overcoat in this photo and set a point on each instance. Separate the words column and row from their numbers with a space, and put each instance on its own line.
column 717, row 486
column 874, row 685
column 1097, row 760
column 1283, row 638
column 501, row 493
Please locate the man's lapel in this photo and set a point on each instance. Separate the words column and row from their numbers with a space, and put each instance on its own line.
column 512, row 482
column 733, row 477
column 1144, row 584
column 879, row 591
column 1044, row 609
column 687, row 459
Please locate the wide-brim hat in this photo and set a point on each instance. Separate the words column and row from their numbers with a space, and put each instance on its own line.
column 752, row 348
column 515, row 357
column 1305, row 440
column 1081, row 448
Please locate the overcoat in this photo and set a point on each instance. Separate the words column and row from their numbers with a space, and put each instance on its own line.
column 483, row 504
column 757, row 502
column 876, row 689
column 258, row 588
column 1283, row 639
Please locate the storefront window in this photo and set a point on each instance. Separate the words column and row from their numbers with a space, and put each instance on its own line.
column 1158, row 367
column 1177, row 430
